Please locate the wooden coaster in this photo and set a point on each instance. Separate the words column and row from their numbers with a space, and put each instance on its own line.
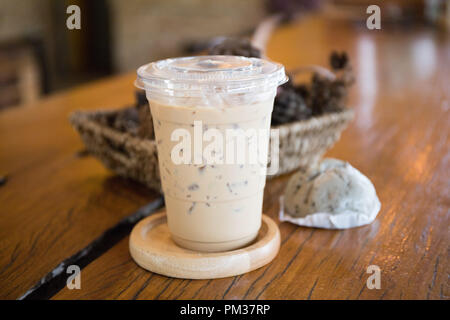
column 153, row 249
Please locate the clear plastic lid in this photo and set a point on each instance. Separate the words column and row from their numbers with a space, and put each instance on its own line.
column 210, row 74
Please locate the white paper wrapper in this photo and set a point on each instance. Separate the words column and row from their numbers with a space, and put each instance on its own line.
column 344, row 220
column 349, row 194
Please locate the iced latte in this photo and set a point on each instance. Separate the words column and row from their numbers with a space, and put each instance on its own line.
column 211, row 116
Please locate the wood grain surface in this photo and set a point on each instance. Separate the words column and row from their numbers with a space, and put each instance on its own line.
column 55, row 202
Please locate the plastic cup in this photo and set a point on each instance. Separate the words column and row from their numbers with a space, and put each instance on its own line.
column 213, row 200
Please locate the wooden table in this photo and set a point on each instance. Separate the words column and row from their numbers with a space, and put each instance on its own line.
column 55, row 201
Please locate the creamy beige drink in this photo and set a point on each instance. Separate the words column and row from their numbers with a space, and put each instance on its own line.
column 213, row 200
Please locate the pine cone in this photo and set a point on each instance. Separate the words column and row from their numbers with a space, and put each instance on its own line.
column 289, row 106
column 127, row 120
column 145, row 123
column 338, row 60
column 140, row 98
column 235, row 47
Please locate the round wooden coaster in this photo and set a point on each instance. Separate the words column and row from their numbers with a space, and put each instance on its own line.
column 153, row 249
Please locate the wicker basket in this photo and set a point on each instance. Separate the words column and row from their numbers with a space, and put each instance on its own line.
column 302, row 144
column 121, row 152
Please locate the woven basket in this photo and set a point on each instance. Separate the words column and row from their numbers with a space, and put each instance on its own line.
column 120, row 152
column 302, row 144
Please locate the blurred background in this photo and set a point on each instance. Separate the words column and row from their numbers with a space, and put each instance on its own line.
column 39, row 55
